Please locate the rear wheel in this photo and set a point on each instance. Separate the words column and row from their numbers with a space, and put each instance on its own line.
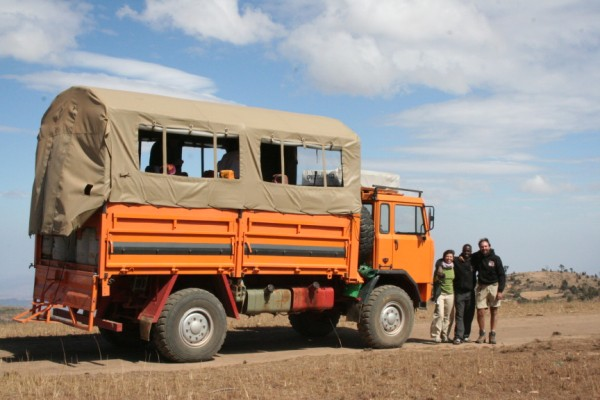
column 387, row 318
column 191, row 327
column 314, row 324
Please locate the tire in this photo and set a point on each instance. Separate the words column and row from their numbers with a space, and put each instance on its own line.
column 387, row 318
column 191, row 327
column 367, row 235
column 314, row 324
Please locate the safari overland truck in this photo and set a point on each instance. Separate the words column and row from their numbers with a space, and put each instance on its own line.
column 138, row 233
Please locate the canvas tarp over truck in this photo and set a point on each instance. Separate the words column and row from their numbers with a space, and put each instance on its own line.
column 88, row 154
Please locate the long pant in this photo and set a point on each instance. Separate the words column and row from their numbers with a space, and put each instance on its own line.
column 443, row 317
column 464, row 305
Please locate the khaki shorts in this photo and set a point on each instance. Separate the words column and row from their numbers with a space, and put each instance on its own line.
column 485, row 296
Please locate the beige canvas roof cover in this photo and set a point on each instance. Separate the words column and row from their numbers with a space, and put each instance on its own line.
column 87, row 155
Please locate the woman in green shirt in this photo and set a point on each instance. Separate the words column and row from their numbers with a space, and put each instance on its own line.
column 443, row 289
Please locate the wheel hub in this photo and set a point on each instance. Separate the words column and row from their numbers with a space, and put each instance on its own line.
column 195, row 327
column 391, row 318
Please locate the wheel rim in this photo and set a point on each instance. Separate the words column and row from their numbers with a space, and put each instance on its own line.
column 391, row 318
column 195, row 327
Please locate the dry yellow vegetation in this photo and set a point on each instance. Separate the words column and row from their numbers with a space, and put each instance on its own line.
column 553, row 368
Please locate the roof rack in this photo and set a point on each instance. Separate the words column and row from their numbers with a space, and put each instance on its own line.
column 420, row 192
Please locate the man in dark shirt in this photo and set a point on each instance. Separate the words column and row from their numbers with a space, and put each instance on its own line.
column 490, row 286
column 464, row 295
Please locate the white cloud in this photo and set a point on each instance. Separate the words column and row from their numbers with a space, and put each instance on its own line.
column 501, row 125
column 208, row 19
column 10, row 129
column 45, row 32
column 54, row 81
column 39, row 30
column 538, row 185
column 383, row 47
column 14, row 194
column 448, row 166
column 120, row 73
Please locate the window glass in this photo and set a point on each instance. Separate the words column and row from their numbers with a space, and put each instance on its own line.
column 311, row 166
column 302, row 166
column 187, row 154
column 272, row 168
column 408, row 220
column 384, row 218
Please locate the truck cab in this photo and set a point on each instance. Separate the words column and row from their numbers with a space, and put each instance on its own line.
column 402, row 240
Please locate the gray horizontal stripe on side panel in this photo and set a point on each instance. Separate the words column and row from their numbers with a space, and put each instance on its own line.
column 172, row 248
column 294, row 251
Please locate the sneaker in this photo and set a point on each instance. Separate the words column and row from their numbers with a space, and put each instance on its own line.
column 437, row 340
column 466, row 339
column 492, row 337
column 481, row 338
column 457, row 341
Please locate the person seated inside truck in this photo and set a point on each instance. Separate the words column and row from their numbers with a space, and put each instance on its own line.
column 231, row 159
column 174, row 161
column 279, row 178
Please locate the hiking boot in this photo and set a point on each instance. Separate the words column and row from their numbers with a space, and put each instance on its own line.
column 481, row 338
column 492, row 337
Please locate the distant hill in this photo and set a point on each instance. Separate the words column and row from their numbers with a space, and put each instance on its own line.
column 548, row 285
column 14, row 303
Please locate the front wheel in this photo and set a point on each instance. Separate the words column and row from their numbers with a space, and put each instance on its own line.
column 191, row 327
column 387, row 318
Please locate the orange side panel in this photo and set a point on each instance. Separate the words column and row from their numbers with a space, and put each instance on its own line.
column 152, row 240
column 298, row 244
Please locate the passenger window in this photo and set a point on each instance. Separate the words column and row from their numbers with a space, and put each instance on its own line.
column 271, row 165
column 313, row 164
column 188, row 153
column 384, row 218
column 302, row 165
column 408, row 220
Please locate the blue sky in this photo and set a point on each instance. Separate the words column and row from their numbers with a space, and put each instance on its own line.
column 491, row 108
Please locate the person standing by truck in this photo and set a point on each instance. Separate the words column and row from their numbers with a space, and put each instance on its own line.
column 491, row 280
column 464, row 295
column 444, row 302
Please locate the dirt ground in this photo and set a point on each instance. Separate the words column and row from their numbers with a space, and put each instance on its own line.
column 89, row 354
column 545, row 350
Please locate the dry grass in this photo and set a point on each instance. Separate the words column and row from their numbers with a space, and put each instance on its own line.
column 553, row 369
column 543, row 370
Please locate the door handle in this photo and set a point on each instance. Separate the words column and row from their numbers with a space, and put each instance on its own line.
column 396, row 244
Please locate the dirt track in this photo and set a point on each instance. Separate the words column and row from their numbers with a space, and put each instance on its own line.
column 89, row 354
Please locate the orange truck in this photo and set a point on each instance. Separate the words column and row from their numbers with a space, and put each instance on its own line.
column 156, row 219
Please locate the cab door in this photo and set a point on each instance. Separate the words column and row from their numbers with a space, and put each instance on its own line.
column 412, row 246
column 384, row 237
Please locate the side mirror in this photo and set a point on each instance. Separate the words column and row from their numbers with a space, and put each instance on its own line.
column 431, row 216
